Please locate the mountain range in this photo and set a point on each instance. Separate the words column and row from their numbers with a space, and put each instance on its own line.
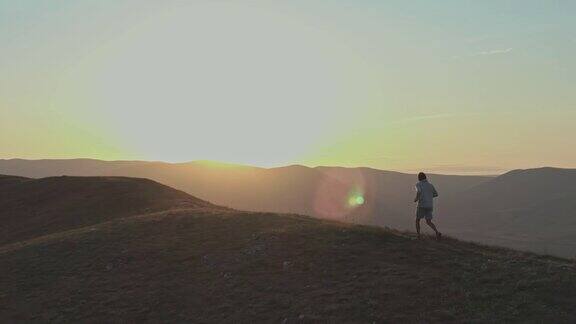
column 524, row 209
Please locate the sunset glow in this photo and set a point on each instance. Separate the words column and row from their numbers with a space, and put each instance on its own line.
column 451, row 86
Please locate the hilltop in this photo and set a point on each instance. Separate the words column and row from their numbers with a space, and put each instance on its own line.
column 204, row 263
column 35, row 207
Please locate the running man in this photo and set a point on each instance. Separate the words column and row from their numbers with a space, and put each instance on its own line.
column 425, row 194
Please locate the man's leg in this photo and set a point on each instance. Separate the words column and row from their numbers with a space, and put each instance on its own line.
column 429, row 222
column 419, row 215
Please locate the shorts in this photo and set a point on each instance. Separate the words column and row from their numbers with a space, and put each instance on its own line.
column 424, row 212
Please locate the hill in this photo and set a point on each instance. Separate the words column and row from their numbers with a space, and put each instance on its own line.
column 35, row 207
column 227, row 266
column 524, row 209
column 531, row 209
column 85, row 249
column 322, row 192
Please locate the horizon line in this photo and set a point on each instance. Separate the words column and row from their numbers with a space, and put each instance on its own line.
column 431, row 171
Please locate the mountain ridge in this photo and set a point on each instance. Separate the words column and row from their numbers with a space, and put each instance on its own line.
column 482, row 208
column 32, row 207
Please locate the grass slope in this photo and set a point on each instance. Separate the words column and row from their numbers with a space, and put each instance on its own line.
column 33, row 207
column 207, row 265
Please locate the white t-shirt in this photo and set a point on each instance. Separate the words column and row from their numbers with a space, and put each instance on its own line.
column 427, row 194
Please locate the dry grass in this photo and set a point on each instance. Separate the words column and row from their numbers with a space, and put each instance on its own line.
column 224, row 266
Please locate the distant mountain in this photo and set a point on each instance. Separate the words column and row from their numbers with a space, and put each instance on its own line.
column 524, row 209
column 322, row 192
column 132, row 250
column 531, row 209
column 36, row 207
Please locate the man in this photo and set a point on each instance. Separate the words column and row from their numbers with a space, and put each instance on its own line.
column 425, row 194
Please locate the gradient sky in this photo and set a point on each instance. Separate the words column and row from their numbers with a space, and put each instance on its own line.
column 444, row 86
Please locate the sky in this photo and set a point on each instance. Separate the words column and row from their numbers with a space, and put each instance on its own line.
column 462, row 87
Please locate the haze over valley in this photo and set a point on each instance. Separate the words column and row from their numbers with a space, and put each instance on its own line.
column 524, row 209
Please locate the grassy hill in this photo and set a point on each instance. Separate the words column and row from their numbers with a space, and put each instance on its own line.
column 35, row 207
column 532, row 210
column 202, row 263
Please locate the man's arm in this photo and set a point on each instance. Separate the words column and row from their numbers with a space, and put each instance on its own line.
column 434, row 192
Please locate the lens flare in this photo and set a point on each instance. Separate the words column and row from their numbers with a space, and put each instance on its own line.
column 351, row 201
column 343, row 194
column 355, row 198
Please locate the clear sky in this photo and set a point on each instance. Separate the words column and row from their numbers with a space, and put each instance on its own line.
column 446, row 86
